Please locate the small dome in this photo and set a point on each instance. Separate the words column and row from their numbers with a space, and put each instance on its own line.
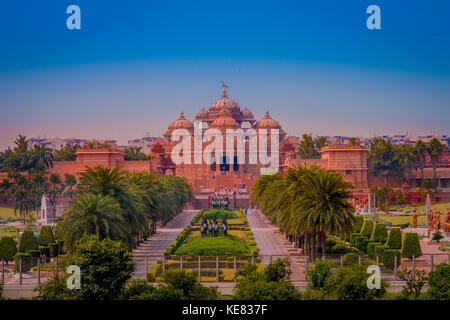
column 224, row 102
column 247, row 114
column 203, row 113
column 225, row 120
column 181, row 123
column 268, row 123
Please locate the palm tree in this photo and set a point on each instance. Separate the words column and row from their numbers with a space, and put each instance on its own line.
column 421, row 152
column 112, row 182
column 323, row 205
column 70, row 182
column 43, row 154
column 408, row 159
column 383, row 159
column 434, row 149
column 94, row 214
column 21, row 144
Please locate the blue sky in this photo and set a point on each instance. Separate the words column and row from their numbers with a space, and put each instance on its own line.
column 135, row 64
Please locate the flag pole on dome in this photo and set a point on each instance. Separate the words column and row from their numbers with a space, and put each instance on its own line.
column 224, row 85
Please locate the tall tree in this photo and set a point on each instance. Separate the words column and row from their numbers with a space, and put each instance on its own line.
column 384, row 159
column 408, row 160
column 421, row 152
column 434, row 149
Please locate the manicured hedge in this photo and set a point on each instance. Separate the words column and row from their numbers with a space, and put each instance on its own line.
column 28, row 242
column 394, row 240
column 378, row 250
column 155, row 271
column 343, row 249
column 367, row 228
column 371, row 249
column 357, row 225
column 27, row 261
column 364, row 242
column 410, row 245
column 379, row 233
column 388, row 256
column 46, row 236
column 53, row 250
column 8, row 248
column 350, row 258
column 357, row 240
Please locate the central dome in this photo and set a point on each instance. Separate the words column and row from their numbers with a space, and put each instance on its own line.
column 224, row 102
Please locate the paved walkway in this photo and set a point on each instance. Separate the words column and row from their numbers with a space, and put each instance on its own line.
column 153, row 249
column 271, row 244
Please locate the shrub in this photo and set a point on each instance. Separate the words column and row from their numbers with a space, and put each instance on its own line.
column 229, row 245
column 350, row 283
column 106, row 267
column 7, row 248
column 378, row 250
column 437, row 236
column 329, row 244
column 367, row 228
column 28, row 242
column 46, row 251
column 357, row 241
column 357, row 224
column 379, row 233
column 155, row 271
column 53, row 250
column 371, row 249
column 388, row 258
column 365, row 241
column 394, row 240
column 26, row 261
column 439, row 282
column 59, row 230
column 343, row 249
column 350, row 258
column 46, row 236
column 410, row 245
column 318, row 274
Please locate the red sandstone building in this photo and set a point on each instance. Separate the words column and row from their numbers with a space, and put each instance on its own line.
column 236, row 179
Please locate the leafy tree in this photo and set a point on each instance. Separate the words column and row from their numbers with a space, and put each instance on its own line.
column 407, row 159
column 136, row 154
column 105, row 266
column 428, row 188
column 414, row 282
column 309, row 147
column 55, row 289
column 28, row 241
column 69, row 183
column 383, row 158
column 350, row 283
column 421, row 151
column 8, row 248
column 46, row 236
column 188, row 284
column 318, row 274
column 439, row 282
column 434, row 149
column 268, row 284
column 67, row 153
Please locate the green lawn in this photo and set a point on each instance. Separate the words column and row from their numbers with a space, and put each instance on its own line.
column 229, row 245
column 398, row 220
column 6, row 212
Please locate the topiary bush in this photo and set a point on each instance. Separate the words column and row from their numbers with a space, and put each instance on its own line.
column 388, row 258
column 367, row 228
column 7, row 248
column 357, row 241
column 364, row 242
column 357, row 224
column 410, row 245
column 329, row 244
column 28, row 242
column 371, row 247
column 379, row 233
column 378, row 250
column 53, row 250
column 394, row 240
column 343, row 249
column 350, row 258
column 59, row 230
column 46, row 236
column 26, row 261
